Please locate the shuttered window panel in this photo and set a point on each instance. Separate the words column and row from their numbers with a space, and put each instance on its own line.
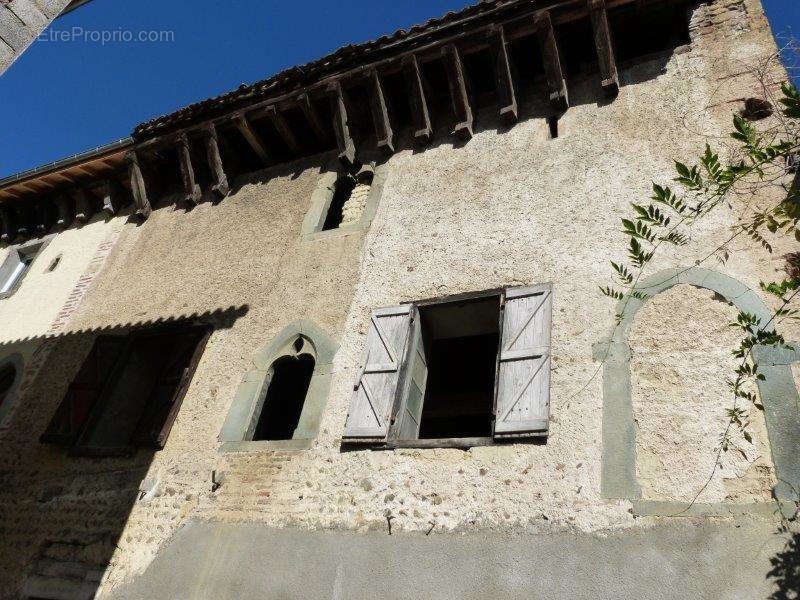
column 409, row 414
column 84, row 392
column 375, row 389
column 523, row 386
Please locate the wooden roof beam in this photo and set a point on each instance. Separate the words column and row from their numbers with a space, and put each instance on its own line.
column 6, row 226
column 380, row 114
column 220, row 186
column 458, row 92
column 286, row 133
column 64, row 208
column 253, row 139
column 344, row 139
column 191, row 190
column 419, row 105
column 112, row 197
column 604, row 46
column 312, row 116
column 138, row 186
column 556, row 82
column 506, row 94
column 84, row 208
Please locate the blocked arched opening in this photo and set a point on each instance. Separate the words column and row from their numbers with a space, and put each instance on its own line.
column 778, row 393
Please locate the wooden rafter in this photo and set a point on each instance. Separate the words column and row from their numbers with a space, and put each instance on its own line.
column 191, row 190
column 286, row 133
column 112, row 197
column 249, row 134
column 312, row 116
column 419, row 106
column 506, row 94
column 458, row 92
column 84, row 208
column 138, row 186
column 604, row 46
column 380, row 113
column 65, row 217
column 556, row 82
column 344, row 140
column 220, row 185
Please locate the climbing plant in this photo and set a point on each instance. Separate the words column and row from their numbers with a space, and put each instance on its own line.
column 756, row 177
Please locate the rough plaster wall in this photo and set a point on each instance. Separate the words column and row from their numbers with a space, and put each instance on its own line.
column 507, row 208
column 30, row 311
column 681, row 357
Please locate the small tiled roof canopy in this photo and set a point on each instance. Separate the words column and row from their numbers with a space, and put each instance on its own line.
column 496, row 58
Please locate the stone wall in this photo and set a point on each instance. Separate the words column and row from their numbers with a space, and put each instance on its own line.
column 21, row 21
column 508, row 208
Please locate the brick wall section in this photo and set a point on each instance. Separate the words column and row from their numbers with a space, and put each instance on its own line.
column 41, row 353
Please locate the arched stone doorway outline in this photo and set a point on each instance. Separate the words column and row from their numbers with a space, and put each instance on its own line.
column 778, row 392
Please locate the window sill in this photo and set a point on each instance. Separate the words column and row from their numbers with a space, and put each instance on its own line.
column 266, row 446
column 458, row 443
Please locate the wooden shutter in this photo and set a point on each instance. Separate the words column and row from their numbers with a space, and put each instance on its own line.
column 416, row 368
column 523, row 382
column 84, row 391
column 181, row 352
column 376, row 388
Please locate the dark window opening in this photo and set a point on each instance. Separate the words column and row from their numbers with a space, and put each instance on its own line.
column 127, row 392
column 7, row 376
column 575, row 41
column 343, row 189
column 285, row 397
column 552, row 124
column 461, row 342
column 398, row 100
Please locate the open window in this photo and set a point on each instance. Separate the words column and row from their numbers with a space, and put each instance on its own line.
column 463, row 371
column 285, row 397
column 127, row 393
column 16, row 265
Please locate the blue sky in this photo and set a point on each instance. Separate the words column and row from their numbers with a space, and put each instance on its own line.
column 61, row 98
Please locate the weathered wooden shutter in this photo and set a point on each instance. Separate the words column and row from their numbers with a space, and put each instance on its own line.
column 523, row 384
column 416, row 368
column 84, row 391
column 376, row 388
column 181, row 352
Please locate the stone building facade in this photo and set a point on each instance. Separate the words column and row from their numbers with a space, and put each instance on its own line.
column 309, row 277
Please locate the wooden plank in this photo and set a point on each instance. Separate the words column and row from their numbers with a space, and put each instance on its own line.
column 64, row 207
column 252, row 138
column 286, row 133
column 420, row 112
column 380, row 114
column 6, row 228
column 220, row 185
column 344, row 140
column 112, row 197
column 458, row 92
column 604, row 46
column 506, row 95
column 556, row 83
column 84, row 208
column 138, row 186
column 312, row 116
column 191, row 190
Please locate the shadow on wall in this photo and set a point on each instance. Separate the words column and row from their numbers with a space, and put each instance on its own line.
column 785, row 572
column 65, row 503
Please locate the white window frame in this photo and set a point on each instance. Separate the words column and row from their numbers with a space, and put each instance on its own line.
column 17, row 265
